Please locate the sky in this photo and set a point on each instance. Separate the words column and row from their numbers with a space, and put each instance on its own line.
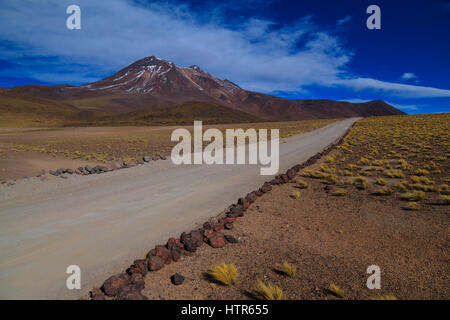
column 292, row 49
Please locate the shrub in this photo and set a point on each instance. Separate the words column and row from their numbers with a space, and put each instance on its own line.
column 418, row 186
column 327, row 169
column 345, row 173
column 445, row 199
column 381, row 182
column 412, row 196
column 314, row 174
column 302, row 184
column 295, row 195
column 224, row 273
column 395, row 174
column 339, row 192
column 422, row 172
column 269, row 292
column 359, row 182
column 364, row 161
column 338, row 292
column 383, row 297
column 384, row 191
column 402, row 186
column 411, row 206
column 289, row 269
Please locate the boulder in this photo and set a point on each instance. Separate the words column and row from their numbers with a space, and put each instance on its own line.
column 266, row 188
column 113, row 284
column 216, row 240
column 146, row 158
column 284, row 178
column 138, row 266
column 177, row 279
column 138, row 281
column 155, row 263
column 162, row 252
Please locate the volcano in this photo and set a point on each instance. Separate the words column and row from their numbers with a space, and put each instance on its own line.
column 153, row 86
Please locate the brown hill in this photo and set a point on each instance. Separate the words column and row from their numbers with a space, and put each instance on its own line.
column 152, row 84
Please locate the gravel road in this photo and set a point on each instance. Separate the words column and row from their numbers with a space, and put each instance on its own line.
column 103, row 222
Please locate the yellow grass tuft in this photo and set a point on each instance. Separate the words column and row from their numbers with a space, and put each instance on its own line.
column 302, row 184
column 411, row 206
column 313, row 174
column 295, row 195
column 381, row 182
column 269, row 292
column 412, row 196
column 359, row 182
column 289, row 269
column 383, row 297
column 339, row 192
column 445, row 199
column 384, row 191
column 444, row 189
column 338, row 292
column 224, row 273
column 395, row 174
column 422, row 172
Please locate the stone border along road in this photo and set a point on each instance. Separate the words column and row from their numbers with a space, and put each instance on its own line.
column 103, row 222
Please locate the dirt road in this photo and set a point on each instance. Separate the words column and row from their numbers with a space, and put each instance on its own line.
column 103, row 222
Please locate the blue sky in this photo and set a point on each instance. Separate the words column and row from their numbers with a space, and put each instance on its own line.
column 294, row 49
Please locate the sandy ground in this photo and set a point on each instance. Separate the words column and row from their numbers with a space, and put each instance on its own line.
column 103, row 222
column 330, row 240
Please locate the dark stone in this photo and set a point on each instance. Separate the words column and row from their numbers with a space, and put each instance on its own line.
column 146, row 158
column 138, row 266
column 53, row 172
column 88, row 169
column 177, row 279
column 231, row 239
column 216, row 240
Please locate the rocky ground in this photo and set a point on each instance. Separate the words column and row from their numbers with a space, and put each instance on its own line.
column 329, row 239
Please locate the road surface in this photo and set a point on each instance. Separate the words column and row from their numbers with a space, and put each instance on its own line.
column 103, row 222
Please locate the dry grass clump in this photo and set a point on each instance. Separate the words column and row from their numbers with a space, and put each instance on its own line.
column 268, row 292
column 444, row 189
column 422, row 172
column 381, row 182
column 384, row 191
column 339, row 192
column 289, row 269
column 295, row 195
column 413, row 196
column 359, row 182
column 331, row 179
column 418, row 186
column 224, row 273
column 338, row 292
column 424, row 180
column 353, row 167
column 345, row 173
column 411, row 206
column 402, row 186
column 383, row 297
column 302, row 184
column 445, row 199
column 314, row 174
column 327, row 169
column 395, row 174
column 404, row 165
column 364, row 161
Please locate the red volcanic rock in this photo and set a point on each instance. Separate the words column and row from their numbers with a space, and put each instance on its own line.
column 138, row 266
column 266, row 188
column 228, row 226
column 155, row 263
column 113, row 284
column 162, row 252
column 216, row 240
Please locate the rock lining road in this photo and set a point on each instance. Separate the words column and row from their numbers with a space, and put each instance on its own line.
column 104, row 222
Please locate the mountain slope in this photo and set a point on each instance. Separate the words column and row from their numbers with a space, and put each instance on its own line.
column 152, row 83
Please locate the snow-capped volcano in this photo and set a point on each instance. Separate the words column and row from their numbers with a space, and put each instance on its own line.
column 161, row 78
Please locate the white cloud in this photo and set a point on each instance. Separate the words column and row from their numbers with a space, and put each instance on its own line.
column 256, row 54
column 408, row 76
column 344, row 20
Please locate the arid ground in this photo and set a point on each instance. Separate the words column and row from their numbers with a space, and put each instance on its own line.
column 25, row 152
column 380, row 198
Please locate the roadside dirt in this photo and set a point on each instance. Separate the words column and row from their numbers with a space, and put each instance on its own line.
column 330, row 240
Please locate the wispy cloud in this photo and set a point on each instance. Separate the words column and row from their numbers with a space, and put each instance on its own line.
column 257, row 54
column 344, row 20
column 408, row 76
